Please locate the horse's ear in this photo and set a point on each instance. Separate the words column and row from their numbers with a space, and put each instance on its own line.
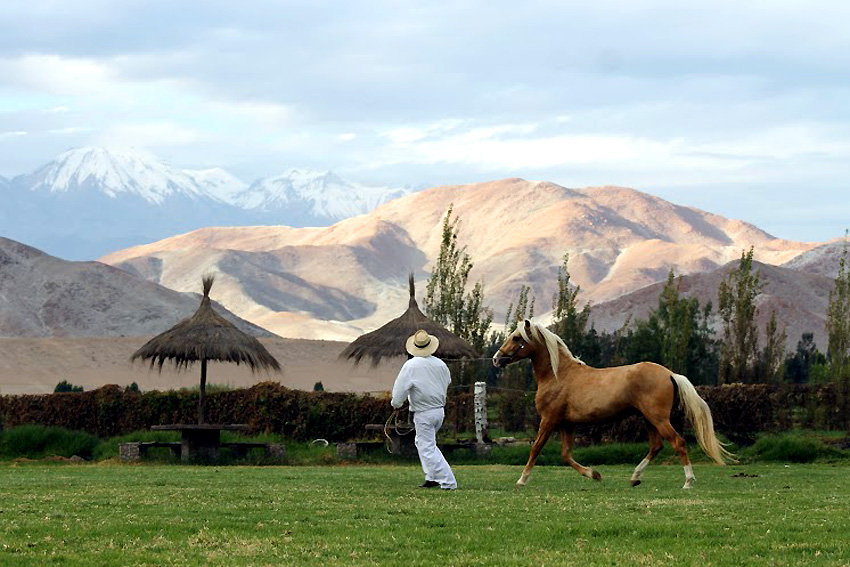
column 527, row 325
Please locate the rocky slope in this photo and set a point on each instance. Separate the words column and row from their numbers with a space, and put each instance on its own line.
column 44, row 296
column 799, row 300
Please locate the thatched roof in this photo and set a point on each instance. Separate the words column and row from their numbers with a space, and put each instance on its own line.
column 205, row 336
column 389, row 340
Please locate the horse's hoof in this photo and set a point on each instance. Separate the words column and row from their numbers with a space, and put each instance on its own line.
column 596, row 476
column 635, row 483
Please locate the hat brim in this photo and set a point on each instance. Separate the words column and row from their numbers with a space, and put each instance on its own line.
column 427, row 350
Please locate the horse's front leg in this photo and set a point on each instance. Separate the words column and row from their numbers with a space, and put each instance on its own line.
column 546, row 429
column 567, row 440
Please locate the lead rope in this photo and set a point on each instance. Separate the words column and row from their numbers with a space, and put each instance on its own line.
column 388, row 443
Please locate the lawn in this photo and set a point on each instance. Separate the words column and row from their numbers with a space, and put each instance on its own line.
column 108, row 514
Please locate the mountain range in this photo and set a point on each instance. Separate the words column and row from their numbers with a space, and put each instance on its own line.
column 336, row 282
column 90, row 201
column 44, row 296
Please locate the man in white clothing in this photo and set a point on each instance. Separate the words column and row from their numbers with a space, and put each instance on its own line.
column 423, row 381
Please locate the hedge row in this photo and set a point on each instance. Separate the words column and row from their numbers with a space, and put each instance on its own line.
column 740, row 411
column 265, row 407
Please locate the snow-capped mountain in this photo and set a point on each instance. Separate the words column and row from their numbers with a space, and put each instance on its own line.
column 319, row 194
column 112, row 172
column 90, row 201
column 217, row 183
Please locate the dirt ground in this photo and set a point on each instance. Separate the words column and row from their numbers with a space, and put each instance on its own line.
column 34, row 366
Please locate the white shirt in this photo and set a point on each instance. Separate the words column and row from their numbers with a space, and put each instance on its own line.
column 423, row 380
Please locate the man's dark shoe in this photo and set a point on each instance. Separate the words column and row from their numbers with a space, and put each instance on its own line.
column 429, row 484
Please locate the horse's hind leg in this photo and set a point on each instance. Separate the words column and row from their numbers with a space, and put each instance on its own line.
column 567, row 439
column 655, row 445
column 546, row 429
column 669, row 434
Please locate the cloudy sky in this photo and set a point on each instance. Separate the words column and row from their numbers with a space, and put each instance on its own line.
column 739, row 108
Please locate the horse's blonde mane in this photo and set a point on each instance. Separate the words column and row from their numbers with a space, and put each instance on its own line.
column 554, row 344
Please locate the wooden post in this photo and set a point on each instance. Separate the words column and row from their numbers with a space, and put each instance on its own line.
column 480, row 404
column 202, row 400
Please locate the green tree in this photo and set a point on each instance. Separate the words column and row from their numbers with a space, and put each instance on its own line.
column 774, row 351
column 737, row 306
column 569, row 321
column 687, row 339
column 446, row 300
column 677, row 318
column 523, row 310
column 515, row 376
column 799, row 365
column 644, row 341
column 65, row 386
column 677, row 334
column 838, row 324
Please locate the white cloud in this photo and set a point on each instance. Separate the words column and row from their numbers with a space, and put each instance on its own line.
column 56, row 74
column 263, row 114
column 69, row 130
column 148, row 135
column 648, row 93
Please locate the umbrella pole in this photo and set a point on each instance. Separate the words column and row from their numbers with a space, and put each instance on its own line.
column 202, row 400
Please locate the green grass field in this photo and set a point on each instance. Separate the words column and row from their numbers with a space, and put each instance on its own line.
column 122, row 515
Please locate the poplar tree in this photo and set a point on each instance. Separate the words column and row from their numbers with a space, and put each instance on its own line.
column 838, row 324
column 677, row 334
column 446, row 300
column 677, row 317
column 524, row 310
column 569, row 321
column 737, row 307
column 773, row 355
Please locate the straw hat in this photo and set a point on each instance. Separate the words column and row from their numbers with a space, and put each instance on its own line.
column 421, row 343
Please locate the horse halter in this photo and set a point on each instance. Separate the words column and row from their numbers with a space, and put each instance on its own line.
column 499, row 361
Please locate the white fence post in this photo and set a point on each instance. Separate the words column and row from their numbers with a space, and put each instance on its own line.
column 480, row 405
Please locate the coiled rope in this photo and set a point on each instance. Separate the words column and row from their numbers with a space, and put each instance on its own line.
column 388, row 428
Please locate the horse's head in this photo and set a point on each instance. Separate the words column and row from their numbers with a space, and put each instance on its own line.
column 516, row 347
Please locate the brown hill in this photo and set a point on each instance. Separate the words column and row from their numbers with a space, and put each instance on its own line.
column 799, row 300
column 339, row 281
column 822, row 260
column 44, row 296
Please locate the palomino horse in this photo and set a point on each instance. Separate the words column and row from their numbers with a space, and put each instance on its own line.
column 569, row 393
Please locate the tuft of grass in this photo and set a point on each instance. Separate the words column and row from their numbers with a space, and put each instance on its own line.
column 791, row 448
column 39, row 441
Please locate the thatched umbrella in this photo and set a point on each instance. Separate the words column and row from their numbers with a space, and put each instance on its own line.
column 389, row 340
column 204, row 336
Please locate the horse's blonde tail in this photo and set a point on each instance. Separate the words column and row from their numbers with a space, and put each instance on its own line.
column 699, row 415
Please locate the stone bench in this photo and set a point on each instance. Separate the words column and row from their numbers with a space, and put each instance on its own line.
column 138, row 450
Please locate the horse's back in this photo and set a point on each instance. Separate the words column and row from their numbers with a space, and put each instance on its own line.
column 633, row 383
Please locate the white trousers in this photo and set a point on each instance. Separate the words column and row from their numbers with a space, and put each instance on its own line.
column 434, row 464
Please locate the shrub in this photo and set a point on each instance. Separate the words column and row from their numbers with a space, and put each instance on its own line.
column 38, row 441
column 787, row 448
column 66, row 387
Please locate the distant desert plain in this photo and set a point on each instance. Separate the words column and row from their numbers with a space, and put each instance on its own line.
column 35, row 366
